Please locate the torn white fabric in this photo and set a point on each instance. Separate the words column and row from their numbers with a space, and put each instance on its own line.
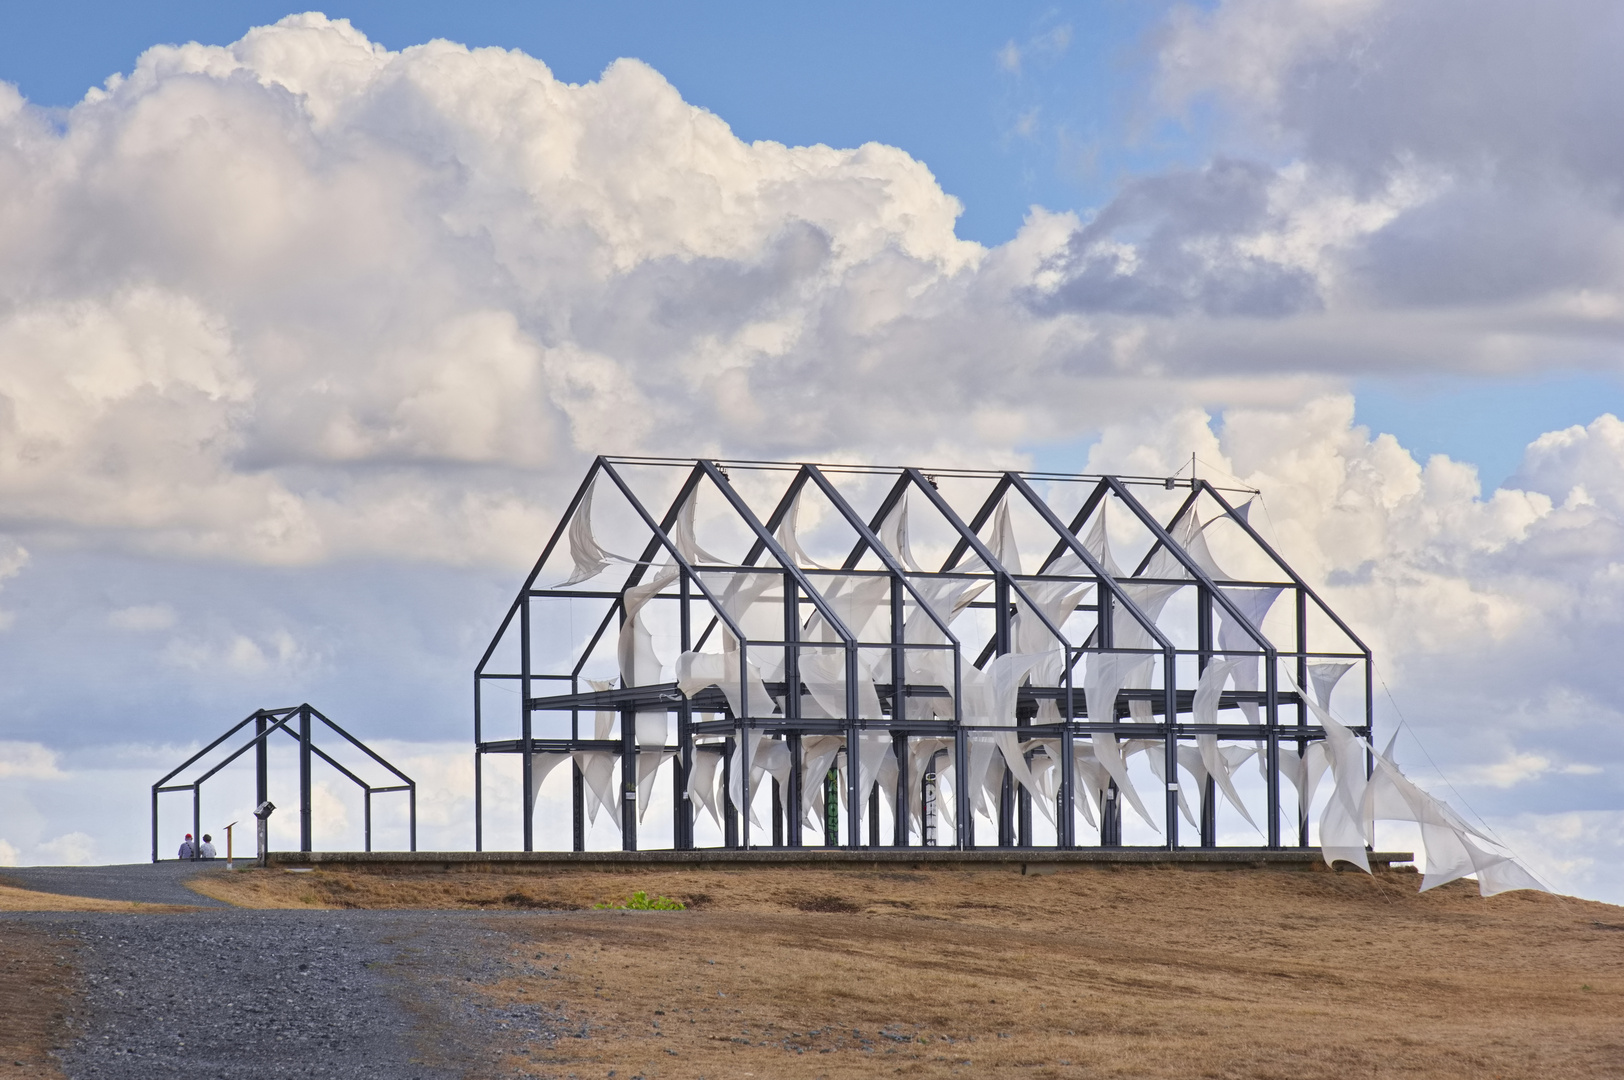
column 598, row 771
column 703, row 783
column 682, row 533
column 789, row 539
column 1205, row 711
column 590, row 559
column 817, row 758
column 893, row 534
column 920, row 754
column 603, row 720
column 1108, row 753
column 1254, row 605
column 1098, row 541
column 652, row 727
column 639, row 666
column 1390, row 795
column 743, row 688
column 1323, row 677
column 540, row 766
column 874, row 748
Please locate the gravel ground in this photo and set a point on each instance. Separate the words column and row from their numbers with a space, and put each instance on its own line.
column 236, row 994
column 149, row 883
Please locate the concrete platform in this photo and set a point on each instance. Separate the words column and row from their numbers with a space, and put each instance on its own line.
column 1024, row 860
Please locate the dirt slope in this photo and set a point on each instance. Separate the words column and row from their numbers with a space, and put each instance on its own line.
column 1132, row 971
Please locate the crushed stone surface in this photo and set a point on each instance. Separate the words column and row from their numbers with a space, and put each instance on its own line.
column 144, row 883
column 243, row 994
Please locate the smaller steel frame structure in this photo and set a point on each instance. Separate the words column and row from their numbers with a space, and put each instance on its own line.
column 1170, row 708
column 298, row 723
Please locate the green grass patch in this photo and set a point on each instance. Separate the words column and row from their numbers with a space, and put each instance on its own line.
column 642, row 901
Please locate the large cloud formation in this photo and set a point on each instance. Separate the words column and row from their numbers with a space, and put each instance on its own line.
column 329, row 329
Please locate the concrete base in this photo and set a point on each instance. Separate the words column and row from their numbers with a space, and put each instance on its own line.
column 1026, row 860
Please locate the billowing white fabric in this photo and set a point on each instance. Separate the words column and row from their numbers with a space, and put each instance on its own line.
column 874, row 748
column 1304, row 771
column 590, row 559
column 1045, row 766
column 748, row 752
column 753, row 599
column 1445, row 835
column 603, row 720
column 1108, row 753
column 682, row 533
column 920, row 753
column 1254, row 605
column 946, row 598
column 817, row 757
column 696, row 671
column 1002, row 546
column 1098, row 541
column 1323, row 677
column 893, row 533
column 1205, row 711
column 854, row 599
column 540, row 766
column 702, row 783
column 598, row 771
column 1055, row 600
column 1390, row 795
column 651, row 730
column 790, row 541
column 989, row 700
column 1089, row 778
column 1155, row 751
column 639, row 666
column 772, row 762
column 1194, row 541
column 1130, row 633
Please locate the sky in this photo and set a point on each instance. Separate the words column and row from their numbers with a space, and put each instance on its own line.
column 310, row 322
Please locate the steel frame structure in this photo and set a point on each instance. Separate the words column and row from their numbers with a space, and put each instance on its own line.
column 1284, row 725
column 297, row 722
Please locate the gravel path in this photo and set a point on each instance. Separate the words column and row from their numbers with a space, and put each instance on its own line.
column 236, row 994
column 150, row 883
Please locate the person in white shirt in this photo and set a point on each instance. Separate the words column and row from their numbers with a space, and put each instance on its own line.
column 206, row 849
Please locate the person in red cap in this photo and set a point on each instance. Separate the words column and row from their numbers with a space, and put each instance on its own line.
column 187, row 850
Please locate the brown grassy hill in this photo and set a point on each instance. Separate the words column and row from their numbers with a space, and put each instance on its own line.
column 1127, row 971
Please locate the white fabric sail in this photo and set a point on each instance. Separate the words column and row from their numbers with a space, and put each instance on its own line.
column 893, row 533
column 703, row 783
column 682, row 533
column 817, row 758
column 1208, row 691
column 598, row 771
column 1254, row 605
column 1323, row 677
column 1390, row 795
column 1090, row 778
column 590, row 559
column 920, row 754
column 540, row 766
column 789, row 539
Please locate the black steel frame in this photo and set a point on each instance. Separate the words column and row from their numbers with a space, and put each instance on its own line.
column 689, row 591
column 297, row 722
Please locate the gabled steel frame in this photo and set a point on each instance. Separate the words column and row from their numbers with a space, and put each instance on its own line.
column 1009, row 589
column 298, row 723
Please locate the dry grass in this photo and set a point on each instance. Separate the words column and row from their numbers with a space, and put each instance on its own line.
column 15, row 899
column 36, row 984
column 1126, row 971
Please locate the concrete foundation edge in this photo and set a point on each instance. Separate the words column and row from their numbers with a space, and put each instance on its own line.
column 1027, row 859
